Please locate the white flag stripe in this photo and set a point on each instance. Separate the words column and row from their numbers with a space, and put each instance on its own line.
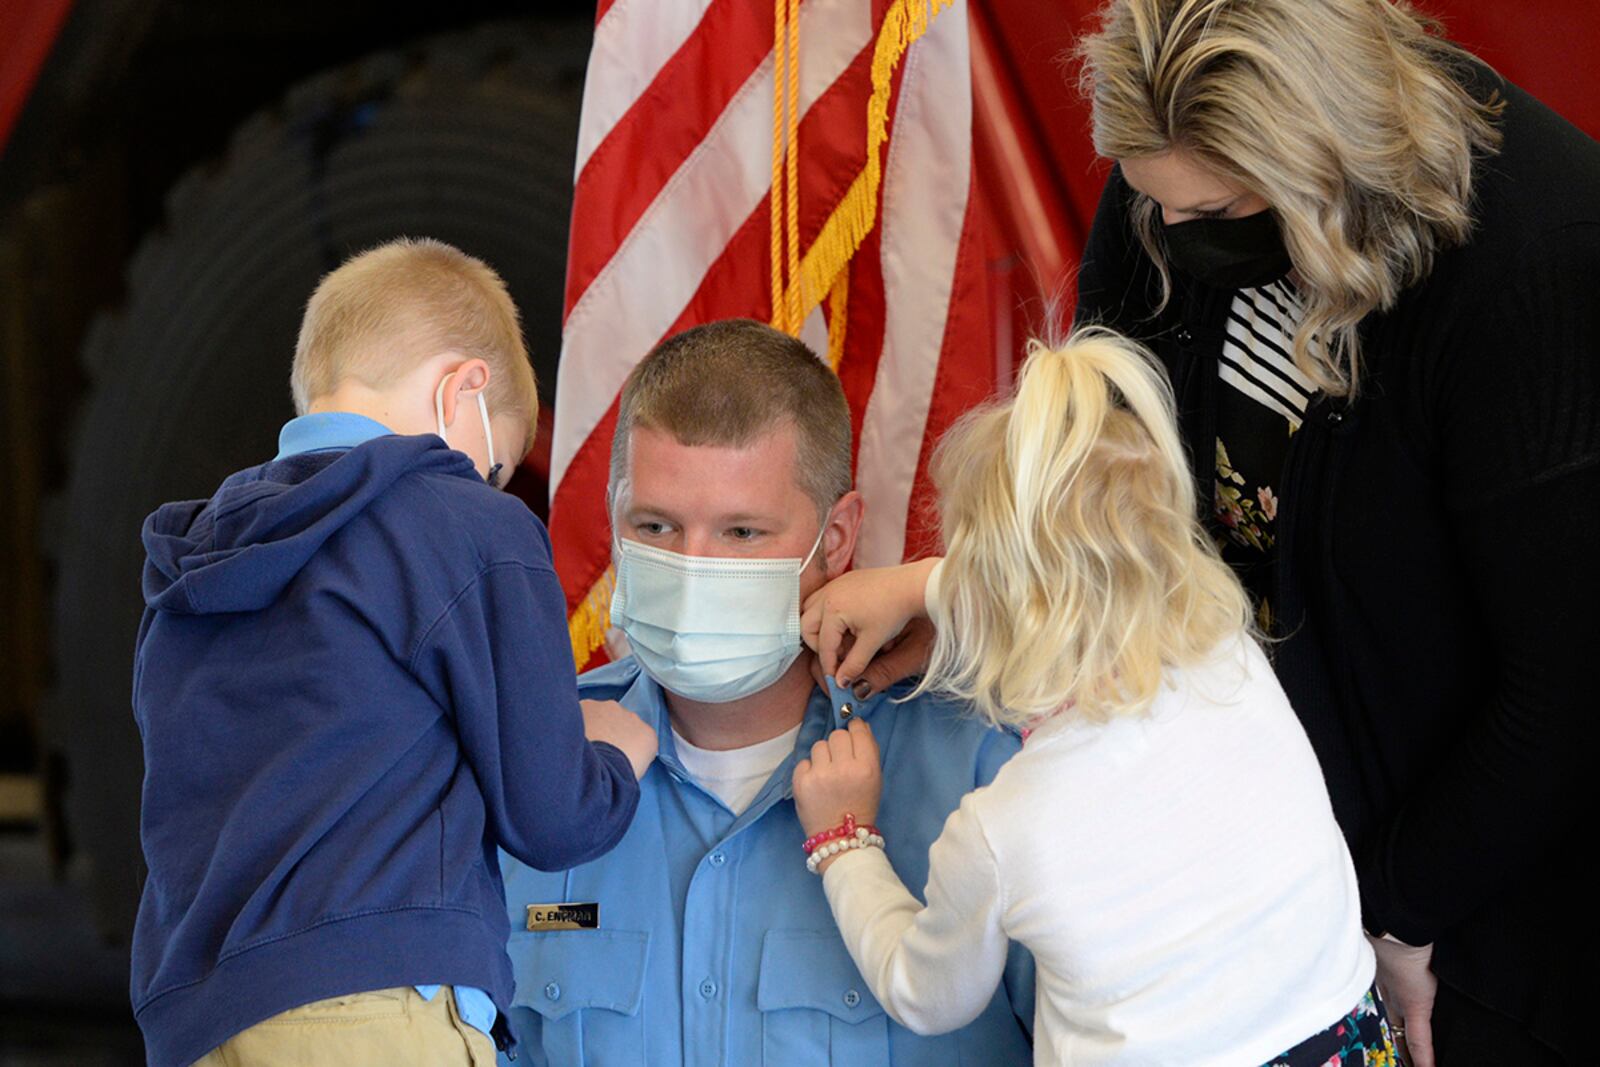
column 658, row 268
column 927, row 180
column 631, row 45
column 814, row 332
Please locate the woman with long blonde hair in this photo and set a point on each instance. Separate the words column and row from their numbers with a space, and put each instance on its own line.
column 1369, row 266
column 1163, row 845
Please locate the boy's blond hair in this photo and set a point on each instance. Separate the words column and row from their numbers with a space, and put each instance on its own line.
column 1076, row 571
column 383, row 312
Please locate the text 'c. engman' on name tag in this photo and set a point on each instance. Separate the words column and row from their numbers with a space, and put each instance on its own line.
column 584, row 916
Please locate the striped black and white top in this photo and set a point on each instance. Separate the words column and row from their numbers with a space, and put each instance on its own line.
column 1260, row 407
column 1257, row 356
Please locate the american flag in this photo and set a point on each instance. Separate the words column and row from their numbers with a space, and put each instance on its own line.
column 807, row 164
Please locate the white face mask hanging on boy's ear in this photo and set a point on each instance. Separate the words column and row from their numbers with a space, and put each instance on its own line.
column 493, row 477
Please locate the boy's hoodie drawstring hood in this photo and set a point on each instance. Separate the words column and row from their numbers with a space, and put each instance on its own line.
column 238, row 550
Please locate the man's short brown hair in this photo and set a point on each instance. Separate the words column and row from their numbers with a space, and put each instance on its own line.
column 729, row 383
column 390, row 308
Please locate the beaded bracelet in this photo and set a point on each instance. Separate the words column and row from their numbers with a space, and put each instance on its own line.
column 834, row 842
column 863, row 839
column 847, row 828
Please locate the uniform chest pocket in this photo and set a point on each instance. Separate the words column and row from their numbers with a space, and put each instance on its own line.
column 815, row 1007
column 581, row 991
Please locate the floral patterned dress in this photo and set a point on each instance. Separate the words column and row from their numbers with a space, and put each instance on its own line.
column 1360, row 1039
column 1260, row 407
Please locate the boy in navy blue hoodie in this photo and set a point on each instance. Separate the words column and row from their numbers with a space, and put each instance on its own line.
column 354, row 681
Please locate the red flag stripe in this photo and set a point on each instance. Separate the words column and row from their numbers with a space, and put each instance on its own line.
column 664, row 125
column 628, row 51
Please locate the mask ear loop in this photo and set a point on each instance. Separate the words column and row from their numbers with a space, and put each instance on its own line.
column 438, row 405
column 493, row 477
column 815, row 545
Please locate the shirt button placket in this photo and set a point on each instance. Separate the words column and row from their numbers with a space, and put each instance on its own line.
column 708, row 921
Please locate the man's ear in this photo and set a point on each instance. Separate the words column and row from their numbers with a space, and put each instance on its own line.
column 840, row 533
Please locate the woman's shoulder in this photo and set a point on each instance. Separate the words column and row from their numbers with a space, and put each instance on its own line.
column 1542, row 186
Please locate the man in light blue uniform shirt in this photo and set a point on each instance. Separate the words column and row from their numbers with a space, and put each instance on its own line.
column 701, row 939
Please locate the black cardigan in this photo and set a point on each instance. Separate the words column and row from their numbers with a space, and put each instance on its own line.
column 1438, row 574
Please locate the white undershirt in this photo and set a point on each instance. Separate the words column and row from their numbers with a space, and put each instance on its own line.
column 734, row 776
column 1178, row 876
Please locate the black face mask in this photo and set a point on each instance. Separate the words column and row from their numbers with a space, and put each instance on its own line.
column 1230, row 253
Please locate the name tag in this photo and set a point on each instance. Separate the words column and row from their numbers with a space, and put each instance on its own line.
column 564, row 916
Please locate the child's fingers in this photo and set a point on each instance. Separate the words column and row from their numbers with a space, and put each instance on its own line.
column 832, row 629
column 864, row 744
column 820, row 755
column 811, row 621
column 909, row 655
column 840, row 746
column 867, row 644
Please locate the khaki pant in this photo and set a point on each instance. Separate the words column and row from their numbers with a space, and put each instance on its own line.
column 382, row 1029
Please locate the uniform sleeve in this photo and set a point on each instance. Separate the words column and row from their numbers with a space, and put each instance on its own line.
column 1522, row 441
column 500, row 662
column 933, row 968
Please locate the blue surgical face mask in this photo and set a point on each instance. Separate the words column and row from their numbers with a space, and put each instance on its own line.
column 708, row 628
column 493, row 477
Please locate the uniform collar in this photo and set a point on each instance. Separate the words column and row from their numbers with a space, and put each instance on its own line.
column 325, row 430
column 830, row 708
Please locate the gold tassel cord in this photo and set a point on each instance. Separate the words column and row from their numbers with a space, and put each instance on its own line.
column 776, row 201
column 792, row 171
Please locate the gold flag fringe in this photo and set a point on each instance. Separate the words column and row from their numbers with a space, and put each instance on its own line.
column 592, row 618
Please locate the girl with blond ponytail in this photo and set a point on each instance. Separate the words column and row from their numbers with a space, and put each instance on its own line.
column 1163, row 844
column 1368, row 265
